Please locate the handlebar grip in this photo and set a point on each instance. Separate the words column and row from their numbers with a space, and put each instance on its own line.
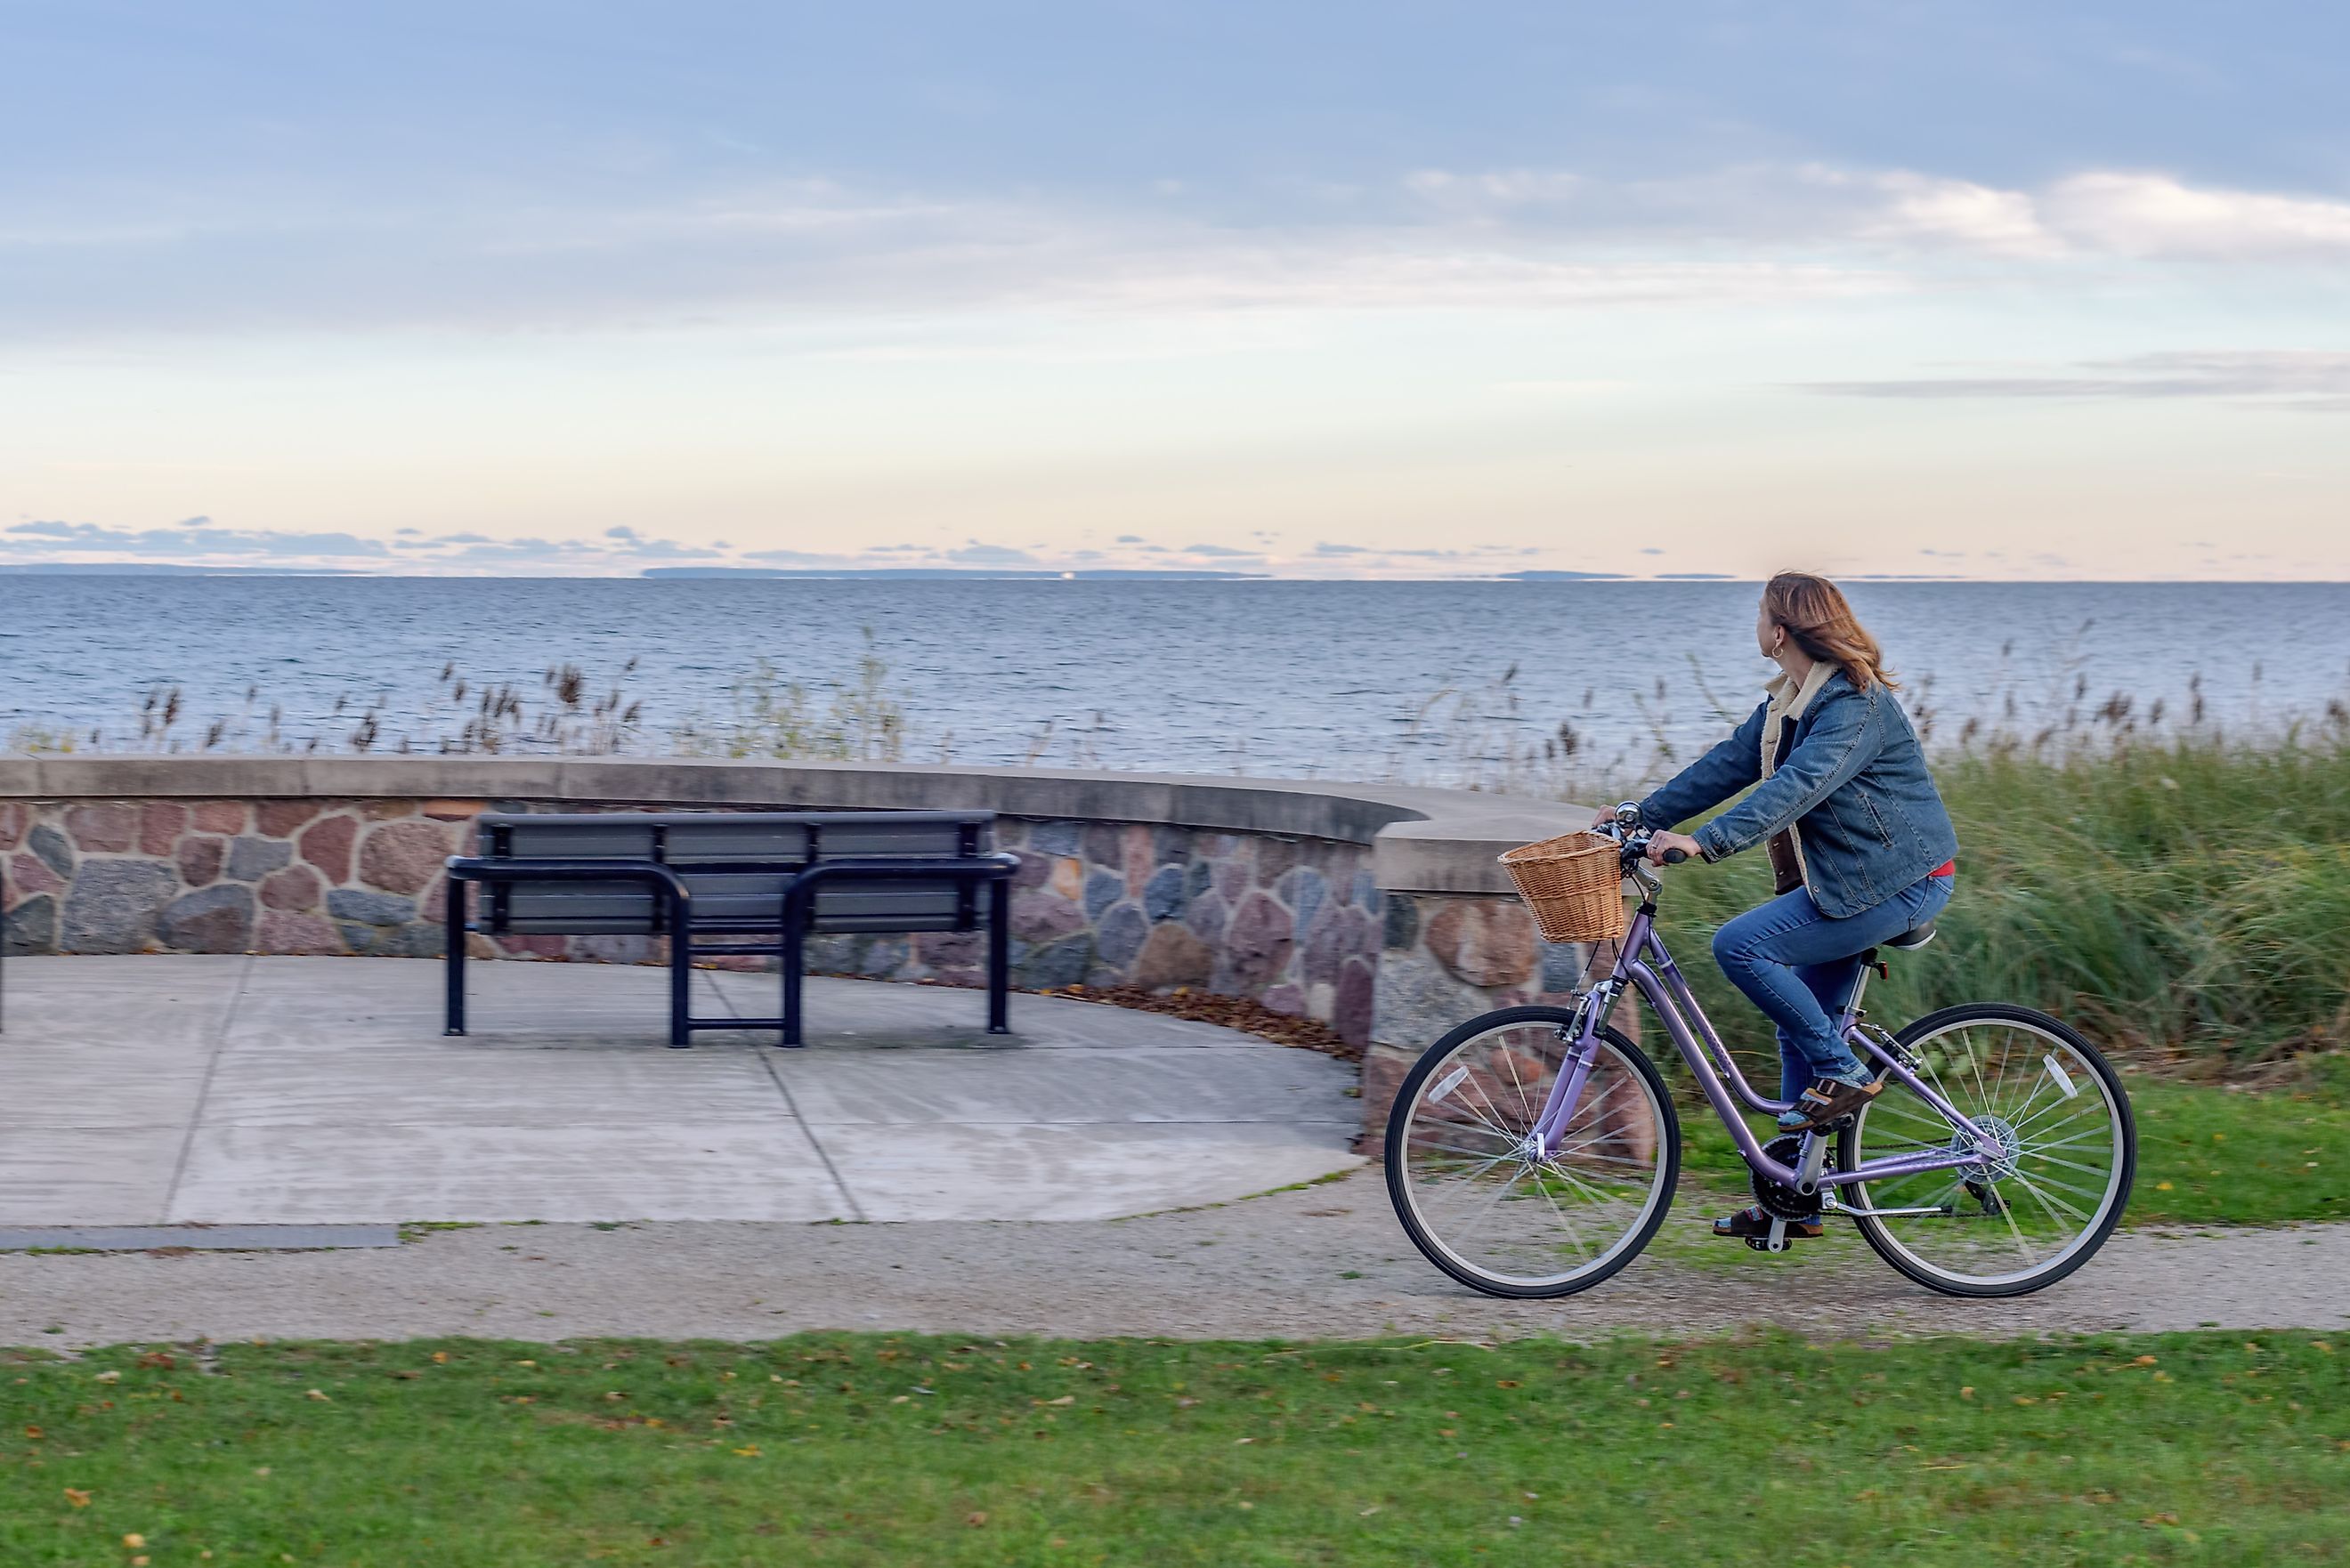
column 1675, row 856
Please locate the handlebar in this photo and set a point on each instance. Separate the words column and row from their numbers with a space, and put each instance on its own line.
column 1628, row 830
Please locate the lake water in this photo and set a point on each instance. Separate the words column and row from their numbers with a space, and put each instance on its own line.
column 1355, row 680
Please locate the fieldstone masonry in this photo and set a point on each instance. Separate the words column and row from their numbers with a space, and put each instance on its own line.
column 227, row 876
column 1296, row 923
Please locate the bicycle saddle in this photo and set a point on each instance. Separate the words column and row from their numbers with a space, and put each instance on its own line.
column 1912, row 940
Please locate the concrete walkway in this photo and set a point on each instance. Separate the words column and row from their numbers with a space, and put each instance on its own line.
column 1327, row 1261
column 163, row 1089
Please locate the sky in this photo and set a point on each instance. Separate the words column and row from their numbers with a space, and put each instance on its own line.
column 1367, row 290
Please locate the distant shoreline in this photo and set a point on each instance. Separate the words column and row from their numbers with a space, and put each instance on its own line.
column 986, row 574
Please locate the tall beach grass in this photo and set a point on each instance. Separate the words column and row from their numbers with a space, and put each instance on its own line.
column 2187, row 902
column 2178, row 884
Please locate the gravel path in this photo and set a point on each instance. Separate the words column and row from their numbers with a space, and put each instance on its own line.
column 1325, row 1261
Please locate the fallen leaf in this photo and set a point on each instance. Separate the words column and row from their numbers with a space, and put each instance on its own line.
column 78, row 1499
column 976, row 1520
column 134, row 1541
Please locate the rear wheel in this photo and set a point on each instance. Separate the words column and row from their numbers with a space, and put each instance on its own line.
column 1494, row 1212
column 2021, row 1220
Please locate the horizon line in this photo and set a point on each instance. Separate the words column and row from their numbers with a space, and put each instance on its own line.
column 1046, row 575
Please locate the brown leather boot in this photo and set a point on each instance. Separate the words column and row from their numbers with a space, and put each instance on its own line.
column 1755, row 1224
column 1829, row 1101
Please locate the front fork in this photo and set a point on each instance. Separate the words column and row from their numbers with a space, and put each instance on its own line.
column 1581, row 1036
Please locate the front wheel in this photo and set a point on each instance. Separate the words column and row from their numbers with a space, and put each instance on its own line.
column 2039, row 1210
column 1494, row 1212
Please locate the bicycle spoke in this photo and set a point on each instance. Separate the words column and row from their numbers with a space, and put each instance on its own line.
column 1418, row 1144
column 2049, row 1203
column 2101, row 1130
column 1470, row 1083
column 1493, row 1127
column 2043, row 1179
column 1470, row 1227
column 1573, row 1234
column 2007, row 1213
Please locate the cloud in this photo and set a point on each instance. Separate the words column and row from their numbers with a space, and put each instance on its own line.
column 1339, row 550
column 1131, row 539
column 467, row 257
column 196, row 536
column 2153, row 215
column 200, row 540
column 978, row 555
column 2302, row 379
column 1217, row 551
column 1960, row 212
column 2145, row 214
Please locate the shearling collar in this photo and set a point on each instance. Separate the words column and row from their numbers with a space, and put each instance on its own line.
column 1788, row 701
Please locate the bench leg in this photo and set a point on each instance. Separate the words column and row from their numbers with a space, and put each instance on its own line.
column 999, row 956
column 680, row 985
column 793, row 967
column 452, row 962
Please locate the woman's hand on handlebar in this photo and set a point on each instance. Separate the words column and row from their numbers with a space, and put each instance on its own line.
column 1660, row 844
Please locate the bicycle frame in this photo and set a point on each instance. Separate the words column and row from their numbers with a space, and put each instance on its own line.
column 1642, row 962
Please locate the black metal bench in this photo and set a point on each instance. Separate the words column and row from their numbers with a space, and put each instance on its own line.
column 719, row 883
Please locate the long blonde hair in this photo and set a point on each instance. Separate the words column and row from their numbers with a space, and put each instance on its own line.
column 1815, row 614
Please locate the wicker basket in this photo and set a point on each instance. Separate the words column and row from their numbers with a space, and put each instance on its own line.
column 1573, row 884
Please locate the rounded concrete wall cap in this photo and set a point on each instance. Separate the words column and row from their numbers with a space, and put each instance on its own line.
column 1424, row 840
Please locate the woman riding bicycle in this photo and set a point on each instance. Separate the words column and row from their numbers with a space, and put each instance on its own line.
column 1860, row 845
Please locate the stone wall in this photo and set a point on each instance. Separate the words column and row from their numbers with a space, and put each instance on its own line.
column 227, row 876
column 1378, row 910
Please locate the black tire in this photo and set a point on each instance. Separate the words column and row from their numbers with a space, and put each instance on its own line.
column 1669, row 1134
column 2082, row 1251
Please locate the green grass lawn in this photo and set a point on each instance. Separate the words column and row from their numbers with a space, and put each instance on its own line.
column 2206, row 1155
column 861, row 1449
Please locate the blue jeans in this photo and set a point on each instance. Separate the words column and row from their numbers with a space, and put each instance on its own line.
column 1799, row 967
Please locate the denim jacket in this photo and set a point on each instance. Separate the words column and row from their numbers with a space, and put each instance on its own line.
column 1855, row 787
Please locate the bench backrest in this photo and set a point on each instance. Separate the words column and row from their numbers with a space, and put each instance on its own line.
column 736, row 865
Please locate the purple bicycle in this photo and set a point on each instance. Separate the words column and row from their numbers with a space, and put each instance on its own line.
column 1533, row 1151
